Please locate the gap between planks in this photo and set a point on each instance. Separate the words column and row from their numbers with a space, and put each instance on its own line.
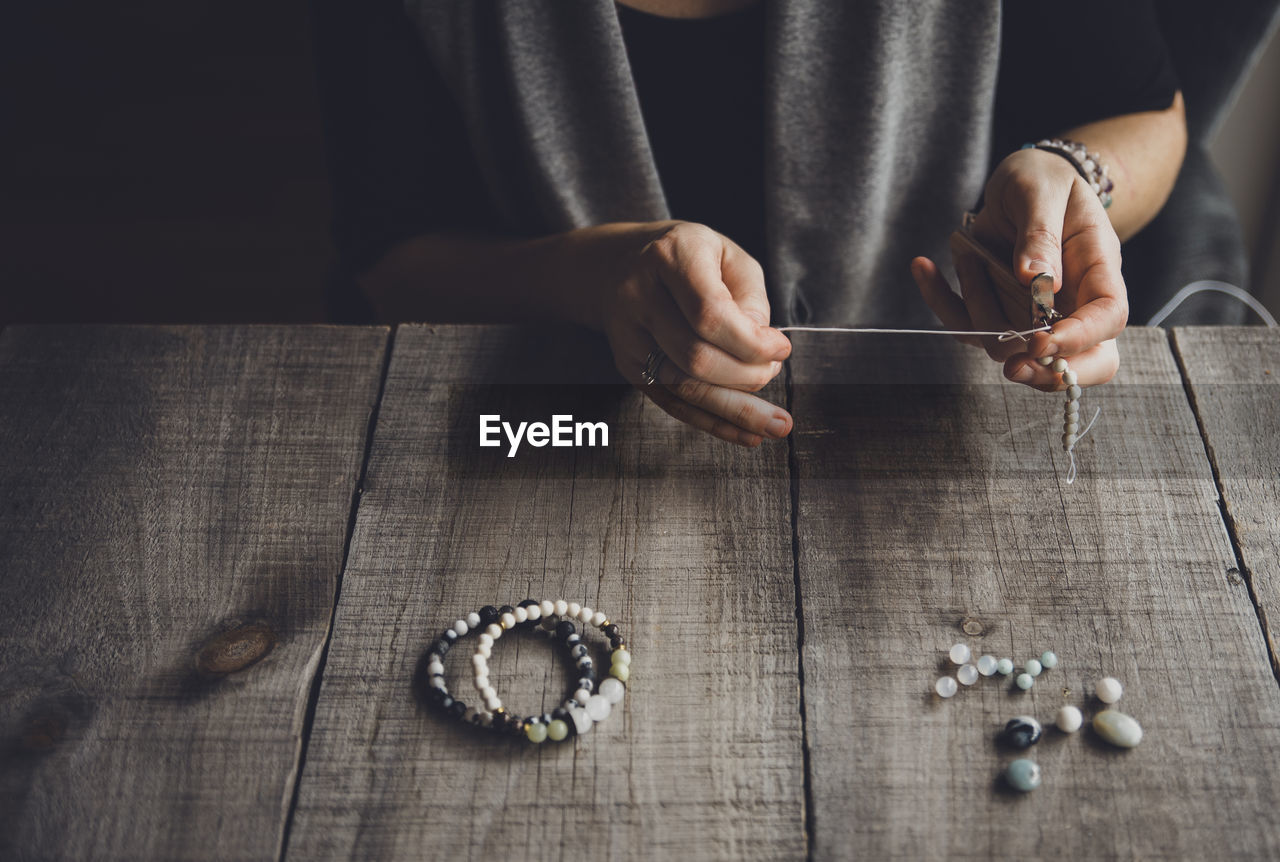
column 313, row 696
column 1228, row 522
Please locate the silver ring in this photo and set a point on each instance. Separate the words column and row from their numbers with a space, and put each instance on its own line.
column 649, row 374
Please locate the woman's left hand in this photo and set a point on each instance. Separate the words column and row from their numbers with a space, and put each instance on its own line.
column 1036, row 204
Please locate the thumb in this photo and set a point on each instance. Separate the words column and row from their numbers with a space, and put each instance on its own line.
column 1038, row 247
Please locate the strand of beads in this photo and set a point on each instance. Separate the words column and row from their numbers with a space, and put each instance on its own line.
column 1071, row 432
column 438, row 690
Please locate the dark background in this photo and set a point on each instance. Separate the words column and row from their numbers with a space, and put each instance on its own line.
column 161, row 162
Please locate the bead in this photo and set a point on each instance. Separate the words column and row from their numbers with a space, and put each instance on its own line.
column 616, row 643
column 482, row 682
column 612, row 690
column 578, row 651
column 1070, row 427
column 488, row 615
column 1045, row 360
column 486, row 651
column 598, row 619
column 494, row 631
column 1059, row 365
column 1069, row 377
column 620, row 672
column 1049, row 659
column 478, row 661
column 489, row 693
column 536, row 732
column 621, row 656
column 547, row 607
column 581, row 721
column 521, row 615
column 1021, row 732
column 574, row 609
column 946, row 686
column 473, row 620
column 1117, row 728
column 582, row 696
column 960, row 654
column 1023, row 774
column 1068, row 719
column 967, row 674
column 449, row 635
column 987, row 665
column 508, row 620
column 485, row 639
column 585, row 614
column 1025, row 681
column 506, row 609
column 598, row 707
column 561, row 607
column 573, row 639
column 564, row 630
column 1005, row 666
column 1071, row 408
column 1108, row 689
column 610, row 631
column 1033, row 667
column 533, row 612
column 1073, row 392
column 557, row 730
column 1068, row 440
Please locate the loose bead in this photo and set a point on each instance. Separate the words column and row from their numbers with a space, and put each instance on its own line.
column 473, row 620
column 946, row 686
column 1108, row 689
column 536, row 731
column 1025, row 681
column 967, row 674
column 1005, row 666
column 1117, row 728
column 987, row 665
column 547, row 607
column 1021, row 732
column 598, row 707
column 557, row 730
column 1059, row 365
column 1068, row 719
column 1049, row 659
column 621, row 672
column 960, row 654
column 1023, row 775
column 612, row 690
column 1033, row 667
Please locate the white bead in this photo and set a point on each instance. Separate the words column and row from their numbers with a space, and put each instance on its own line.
column 488, row 691
column 581, row 721
column 582, row 696
column 485, row 639
column 1108, row 689
column 508, row 621
column 1059, row 365
column 1071, row 408
column 1093, row 184
column 1068, row 719
column 1073, row 392
column 574, row 609
column 436, row 682
column 493, row 704
column 1045, row 361
column 612, row 689
column 435, row 667
column 486, row 651
column 598, row 619
column 460, row 627
column 1068, row 440
column 967, row 674
column 521, row 615
column 960, row 654
column 987, row 665
column 598, row 707
column 479, row 660
column 473, row 620
column 1069, row 377
column 494, row 631
column 547, row 607
column 533, row 612
column 482, row 682
column 561, row 607
column 1070, row 428
column 585, row 614
column 946, row 686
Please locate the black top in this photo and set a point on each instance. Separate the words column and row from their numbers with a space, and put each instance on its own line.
column 401, row 166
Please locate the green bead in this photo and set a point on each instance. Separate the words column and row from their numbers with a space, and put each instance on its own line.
column 620, row 672
column 1005, row 666
column 1033, row 667
column 557, row 730
column 621, row 656
column 1049, row 659
column 537, row 732
column 1023, row 774
column 1025, row 681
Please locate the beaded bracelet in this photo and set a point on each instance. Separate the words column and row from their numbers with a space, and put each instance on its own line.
column 1088, row 165
column 587, row 705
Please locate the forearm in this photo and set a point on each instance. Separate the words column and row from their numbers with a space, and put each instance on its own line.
column 477, row 279
column 1143, row 153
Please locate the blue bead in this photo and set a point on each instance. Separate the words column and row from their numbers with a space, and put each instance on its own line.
column 1049, row 659
column 1023, row 774
column 1033, row 667
column 1025, row 681
column 1005, row 666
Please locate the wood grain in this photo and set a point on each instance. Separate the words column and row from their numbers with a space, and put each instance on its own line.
column 1234, row 377
column 933, row 509
column 174, row 505
column 682, row 539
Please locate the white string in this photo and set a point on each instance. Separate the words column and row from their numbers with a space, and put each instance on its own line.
column 1211, row 287
column 1071, row 450
column 1006, row 335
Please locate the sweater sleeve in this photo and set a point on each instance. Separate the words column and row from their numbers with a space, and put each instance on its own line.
column 400, row 164
column 1063, row 65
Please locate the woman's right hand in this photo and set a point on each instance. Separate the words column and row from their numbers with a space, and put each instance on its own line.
column 698, row 297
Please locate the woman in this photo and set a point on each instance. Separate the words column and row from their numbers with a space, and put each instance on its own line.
column 680, row 174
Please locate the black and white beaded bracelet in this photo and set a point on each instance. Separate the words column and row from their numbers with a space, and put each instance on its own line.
column 587, row 705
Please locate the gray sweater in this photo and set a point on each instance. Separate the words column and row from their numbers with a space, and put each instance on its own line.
column 878, row 127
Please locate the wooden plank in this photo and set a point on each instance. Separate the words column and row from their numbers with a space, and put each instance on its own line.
column 933, row 509
column 159, row 488
column 1234, row 377
column 686, row 541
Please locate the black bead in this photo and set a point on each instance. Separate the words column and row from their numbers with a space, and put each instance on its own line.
column 1021, row 732
column 561, row 714
column 449, row 635
column 506, row 609
column 445, row 702
column 457, row 709
column 610, row 631
column 564, row 630
column 440, row 647
column 527, row 603
column 616, row 643
column 489, row 615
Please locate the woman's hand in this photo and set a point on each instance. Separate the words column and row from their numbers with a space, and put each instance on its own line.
column 1036, row 204
column 695, row 295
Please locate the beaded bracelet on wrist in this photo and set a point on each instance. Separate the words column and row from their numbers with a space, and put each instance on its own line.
column 1088, row 164
column 588, row 704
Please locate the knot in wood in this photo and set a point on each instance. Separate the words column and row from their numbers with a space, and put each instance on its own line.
column 235, row 650
column 972, row 627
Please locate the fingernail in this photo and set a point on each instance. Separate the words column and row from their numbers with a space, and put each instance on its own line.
column 1025, row 374
column 777, row 427
column 1039, row 266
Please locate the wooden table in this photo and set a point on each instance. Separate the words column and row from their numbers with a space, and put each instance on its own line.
column 224, row 550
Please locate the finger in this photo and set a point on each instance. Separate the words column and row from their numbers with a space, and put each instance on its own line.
column 688, row 263
column 986, row 314
column 700, row 419
column 1094, row 366
column 1037, row 210
column 744, row 277
column 942, row 300
column 747, row 412
column 702, row 359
